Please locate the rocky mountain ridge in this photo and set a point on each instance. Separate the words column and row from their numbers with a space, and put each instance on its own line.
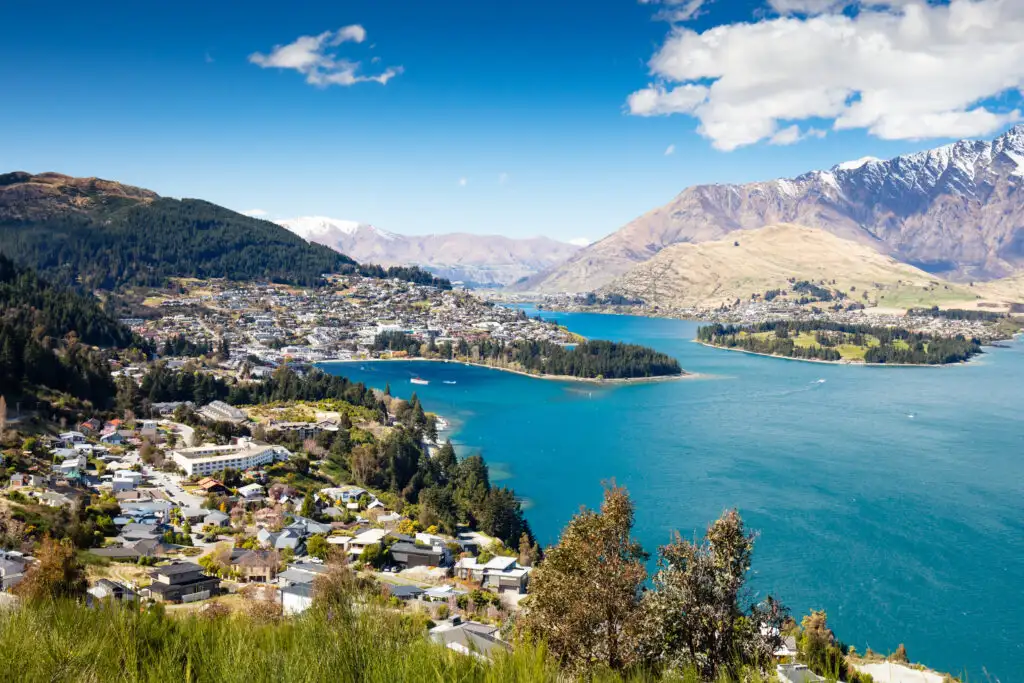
column 956, row 211
column 477, row 260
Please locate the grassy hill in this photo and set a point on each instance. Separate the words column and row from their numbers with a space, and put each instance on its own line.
column 753, row 262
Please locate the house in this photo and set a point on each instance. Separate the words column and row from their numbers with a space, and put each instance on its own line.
column 257, row 565
column 344, row 494
column 90, row 426
column 212, row 486
column 300, row 573
column 131, row 551
column 19, row 480
column 469, row 638
column 797, row 673
column 138, row 532
column 182, row 582
column 113, row 439
column 148, row 430
column 403, row 592
column 251, row 492
column 71, row 438
column 788, row 648
column 500, row 573
column 193, row 515
column 269, row 517
column 441, row 593
column 216, row 518
column 53, row 499
column 296, row 599
column 12, row 568
column 287, row 539
column 308, row 527
column 126, row 480
column 407, row 555
column 73, row 466
column 105, row 589
column 356, row 545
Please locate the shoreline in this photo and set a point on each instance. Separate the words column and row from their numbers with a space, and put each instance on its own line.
column 557, row 378
column 846, row 363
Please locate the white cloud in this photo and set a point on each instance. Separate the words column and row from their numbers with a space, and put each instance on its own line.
column 670, row 150
column 254, row 213
column 463, row 182
column 581, row 242
column 809, row 6
column 901, row 69
column 315, row 58
column 677, row 10
column 502, row 178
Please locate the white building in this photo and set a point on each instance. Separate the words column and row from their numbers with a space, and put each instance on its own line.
column 126, row 480
column 218, row 411
column 244, row 455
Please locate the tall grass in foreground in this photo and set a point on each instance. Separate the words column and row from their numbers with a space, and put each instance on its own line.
column 64, row 641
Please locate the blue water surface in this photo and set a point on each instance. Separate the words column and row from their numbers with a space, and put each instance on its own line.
column 893, row 498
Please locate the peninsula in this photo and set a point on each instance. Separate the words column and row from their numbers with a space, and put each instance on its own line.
column 832, row 342
column 593, row 361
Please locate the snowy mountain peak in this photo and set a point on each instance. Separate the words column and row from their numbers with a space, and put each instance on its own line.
column 317, row 228
column 309, row 227
column 856, row 163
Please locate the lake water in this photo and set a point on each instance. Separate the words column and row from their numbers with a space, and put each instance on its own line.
column 893, row 498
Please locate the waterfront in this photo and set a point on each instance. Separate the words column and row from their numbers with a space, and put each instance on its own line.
column 888, row 496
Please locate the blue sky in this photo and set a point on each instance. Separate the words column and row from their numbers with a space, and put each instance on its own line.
column 522, row 118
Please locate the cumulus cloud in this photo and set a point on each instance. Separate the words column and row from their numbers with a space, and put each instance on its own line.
column 316, row 58
column 254, row 213
column 581, row 242
column 901, row 69
column 677, row 10
column 670, row 150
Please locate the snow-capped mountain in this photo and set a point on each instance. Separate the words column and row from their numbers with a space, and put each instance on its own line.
column 478, row 260
column 957, row 210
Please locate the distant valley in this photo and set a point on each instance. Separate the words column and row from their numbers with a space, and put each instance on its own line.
column 475, row 260
column 955, row 213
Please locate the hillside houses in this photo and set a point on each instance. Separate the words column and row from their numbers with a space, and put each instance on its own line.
column 276, row 324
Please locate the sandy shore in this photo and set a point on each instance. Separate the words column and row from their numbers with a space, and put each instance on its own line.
column 849, row 363
column 557, row 378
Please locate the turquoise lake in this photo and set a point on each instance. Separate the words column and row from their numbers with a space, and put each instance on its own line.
column 893, row 498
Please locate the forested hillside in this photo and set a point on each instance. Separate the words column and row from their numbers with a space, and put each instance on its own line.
column 97, row 234
column 47, row 335
column 587, row 360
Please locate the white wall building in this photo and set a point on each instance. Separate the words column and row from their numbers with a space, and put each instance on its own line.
column 244, row 455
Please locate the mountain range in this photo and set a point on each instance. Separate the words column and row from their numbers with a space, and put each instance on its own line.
column 956, row 211
column 476, row 260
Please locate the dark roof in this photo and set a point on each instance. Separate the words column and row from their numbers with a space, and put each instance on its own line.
column 258, row 558
column 178, row 568
column 302, row 589
column 412, row 548
column 405, row 592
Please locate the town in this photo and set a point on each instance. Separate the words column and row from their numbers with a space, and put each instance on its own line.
column 195, row 526
column 340, row 321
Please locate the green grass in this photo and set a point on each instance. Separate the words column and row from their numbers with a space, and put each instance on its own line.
column 68, row 642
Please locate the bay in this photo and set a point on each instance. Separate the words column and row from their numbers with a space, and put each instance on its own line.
column 893, row 498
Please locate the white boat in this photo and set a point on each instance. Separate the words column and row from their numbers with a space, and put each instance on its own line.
column 419, row 380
